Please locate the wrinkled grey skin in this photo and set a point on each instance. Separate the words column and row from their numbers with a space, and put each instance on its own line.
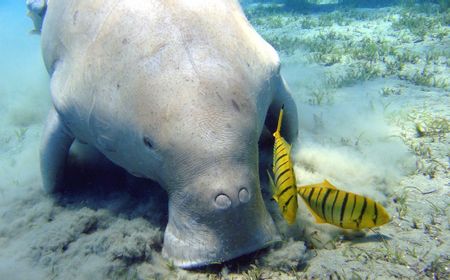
column 177, row 92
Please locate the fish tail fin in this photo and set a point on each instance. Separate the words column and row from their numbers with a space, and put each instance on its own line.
column 280, row 118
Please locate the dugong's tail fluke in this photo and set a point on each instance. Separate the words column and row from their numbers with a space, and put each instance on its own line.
column 36, row 11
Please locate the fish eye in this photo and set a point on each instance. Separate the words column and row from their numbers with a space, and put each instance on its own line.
column 147, row 142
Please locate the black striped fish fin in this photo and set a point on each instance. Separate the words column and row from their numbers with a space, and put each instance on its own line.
column 324, row 184
column 273, row 187
column 327, row 184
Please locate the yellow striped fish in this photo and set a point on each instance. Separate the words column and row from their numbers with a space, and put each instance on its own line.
column 285, row 190
column 343, row 209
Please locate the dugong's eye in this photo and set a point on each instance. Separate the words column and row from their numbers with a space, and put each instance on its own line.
column 147, row 142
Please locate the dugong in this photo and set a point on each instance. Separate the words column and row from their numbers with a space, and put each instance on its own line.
column 178, row 92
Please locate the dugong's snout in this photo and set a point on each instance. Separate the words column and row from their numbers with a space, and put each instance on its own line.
column 213, row 224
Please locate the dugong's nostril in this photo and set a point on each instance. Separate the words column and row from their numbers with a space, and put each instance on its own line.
column 244, row 196
column 223, row 201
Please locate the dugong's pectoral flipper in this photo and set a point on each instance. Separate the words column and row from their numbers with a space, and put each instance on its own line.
column 55, row 145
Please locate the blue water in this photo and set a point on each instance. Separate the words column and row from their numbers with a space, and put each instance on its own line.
column 21, row 67
column 353, row 136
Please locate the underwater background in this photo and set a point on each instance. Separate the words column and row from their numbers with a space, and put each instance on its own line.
column 371, row 81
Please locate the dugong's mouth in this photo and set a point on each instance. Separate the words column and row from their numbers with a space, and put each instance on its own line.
column 200, row 249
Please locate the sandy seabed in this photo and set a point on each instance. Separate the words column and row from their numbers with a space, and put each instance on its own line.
column 379, row 133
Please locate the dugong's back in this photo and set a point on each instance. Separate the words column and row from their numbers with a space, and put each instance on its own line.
column 111, row 55
column 152, row 41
